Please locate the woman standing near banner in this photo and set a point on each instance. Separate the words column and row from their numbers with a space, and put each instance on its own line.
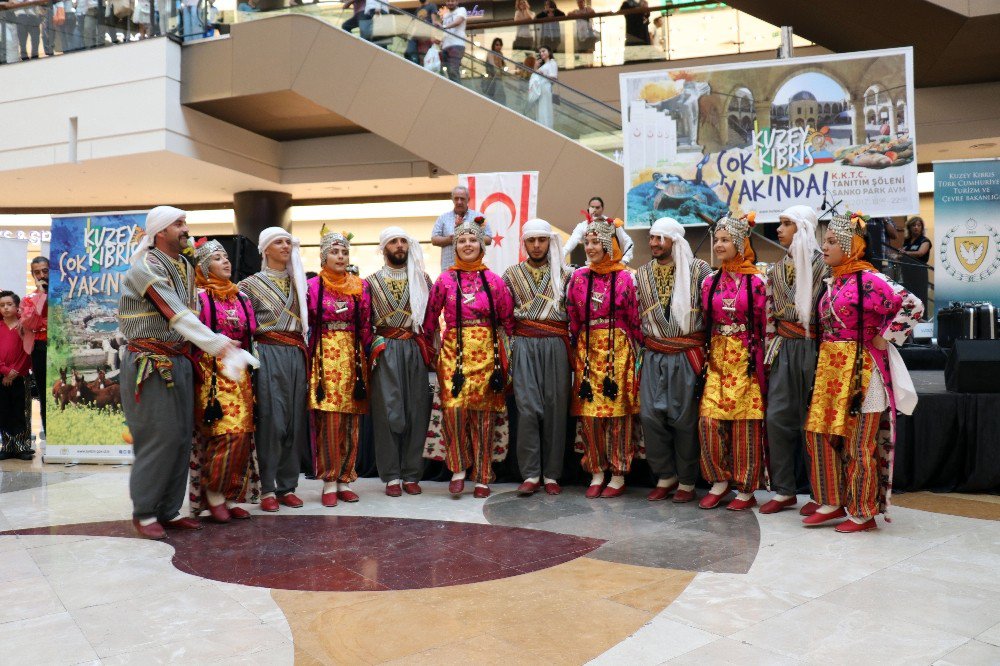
column 472, row 366
column 860, row 382
column 340, row 333
column 731, row 426
column 604, row 327
column 224, row 465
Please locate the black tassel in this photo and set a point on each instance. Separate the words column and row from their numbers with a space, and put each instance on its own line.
column 586, row 392
column 457, row 382
column 699, row 385
column 855, row 409
column 610, row 388
column 496, row 381
column 360, row 390
column 320, row 392
column 213, row 411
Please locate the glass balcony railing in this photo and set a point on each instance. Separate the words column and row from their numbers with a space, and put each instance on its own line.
column 514, row 85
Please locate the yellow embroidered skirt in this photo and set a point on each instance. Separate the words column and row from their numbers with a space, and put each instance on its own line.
column 477, row 366
column 624, row 372
column 828, row 413
column 236, row 399
column 336, row 367
column 730, row 393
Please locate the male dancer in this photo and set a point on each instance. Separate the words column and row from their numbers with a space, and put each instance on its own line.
column 401, row 355
column 157, row 315
column 278, row 296
column 793, row 285
column 669, row 293
column 540, row 357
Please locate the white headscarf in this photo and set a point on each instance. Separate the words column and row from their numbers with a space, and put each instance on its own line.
column 538, row 228
column 802, row 250
column 157, row 220
column 680, row 302
column 415, row 270
column 296, row 272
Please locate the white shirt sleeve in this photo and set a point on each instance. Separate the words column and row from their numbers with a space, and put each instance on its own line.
column 199, row 335
column 627, row 245
column 574, row 240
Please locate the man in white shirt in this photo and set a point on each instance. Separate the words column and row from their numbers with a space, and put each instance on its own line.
column 444, row 228
column 453, row 43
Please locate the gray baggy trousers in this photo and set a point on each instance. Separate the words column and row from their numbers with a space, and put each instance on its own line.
column 541, row 392
column 282, row 419
column 401, row 411
column 669, row 414
column 792, row 374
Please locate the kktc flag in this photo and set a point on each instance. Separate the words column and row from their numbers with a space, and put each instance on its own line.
column 508, row 200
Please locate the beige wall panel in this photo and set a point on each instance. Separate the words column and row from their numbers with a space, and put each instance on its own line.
column 392, row 92
column 200, row 85
column 515, row 143
column 334, row 70
column 262, row 59
column 575, row 176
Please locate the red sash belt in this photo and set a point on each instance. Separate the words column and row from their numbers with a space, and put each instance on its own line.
column 793, row 330
column 544, row 328
column 692, row 346
column 395, row 333
column 159, row 347
column 282, row 339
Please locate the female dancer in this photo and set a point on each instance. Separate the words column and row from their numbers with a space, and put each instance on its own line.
column 731, row 424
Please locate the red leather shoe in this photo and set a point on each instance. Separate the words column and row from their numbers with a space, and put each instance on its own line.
column 610, row 492
column 774, row 506
column 412, row 488
column 239, row 513
column 219, row 514
column 527, row 489
column 849, row 526
column 347, row 496
column 594, row 491
column 553, row 488
column 269, row 504
column 820, row 518
column 393, row 490
column 328, row 500
column 742, row 505
column 182, row 524
column 684, row 496
column 291, row 500
column 809, row 508
column 151, row 531
column 481, row 492
column 456, row 487
column 658, row 494
column 711, row 500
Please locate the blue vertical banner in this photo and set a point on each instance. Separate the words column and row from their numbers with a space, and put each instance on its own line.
column 89, row 255
column 967, row 231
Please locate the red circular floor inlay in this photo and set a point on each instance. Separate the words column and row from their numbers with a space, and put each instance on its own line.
column 353, row 553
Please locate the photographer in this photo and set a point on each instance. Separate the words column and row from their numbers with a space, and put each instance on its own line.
column 34, row 324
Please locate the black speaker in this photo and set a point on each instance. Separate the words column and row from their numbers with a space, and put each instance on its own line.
column 243, row 255
column 973, row 367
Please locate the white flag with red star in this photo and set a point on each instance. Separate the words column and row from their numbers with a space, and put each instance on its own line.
column 508, row 200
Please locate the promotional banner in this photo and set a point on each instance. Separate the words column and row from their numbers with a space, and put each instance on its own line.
column 967, row 231
column 767, row 135
column 508, row 200
column 89, row 257
column 14, row 268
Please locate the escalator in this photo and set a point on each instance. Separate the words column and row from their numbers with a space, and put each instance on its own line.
column 295, row 74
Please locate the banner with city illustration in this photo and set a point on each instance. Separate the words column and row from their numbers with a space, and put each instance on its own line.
column 89, row 256
column 766, row 135
column 967, row 231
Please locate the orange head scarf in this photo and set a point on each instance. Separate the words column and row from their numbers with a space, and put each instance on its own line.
column 740, row 229
column 218, row 288
column 344, row 283
column 850, row 226
column 606, row 231
column 477, row 229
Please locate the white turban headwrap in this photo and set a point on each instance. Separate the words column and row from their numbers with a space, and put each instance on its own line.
column 296, row 271
column 803, row 248
column 680, row 300
column 415, row 271
column 157, row 220
column 538, row 228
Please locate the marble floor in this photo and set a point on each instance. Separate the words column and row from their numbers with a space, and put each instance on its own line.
column 431, row 579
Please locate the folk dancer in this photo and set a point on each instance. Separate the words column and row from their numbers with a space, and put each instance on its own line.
column 669, row 294
column 793, row 285
column 604, row 329
column 223, row 462
column 401, row 356
column 340, row 325
column 278, row 296
column 157, row 314
column 15, row 397
column 472, row 366
column 731, row 423
column 540, row 357
column 860, row 382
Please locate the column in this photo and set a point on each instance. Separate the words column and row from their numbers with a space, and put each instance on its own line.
column 258, row 209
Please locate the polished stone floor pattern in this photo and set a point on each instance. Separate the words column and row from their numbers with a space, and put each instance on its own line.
column 607, row 581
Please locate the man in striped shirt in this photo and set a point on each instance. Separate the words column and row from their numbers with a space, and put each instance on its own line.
column 157, row 314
